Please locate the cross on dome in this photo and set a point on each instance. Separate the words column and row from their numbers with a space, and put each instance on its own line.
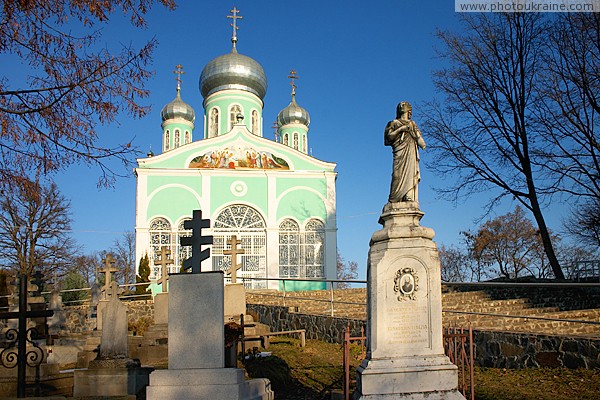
column 234, row 26
column 293, row 76
column 178, row 71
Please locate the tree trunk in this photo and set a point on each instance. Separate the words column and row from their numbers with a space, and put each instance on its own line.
column 546, row 240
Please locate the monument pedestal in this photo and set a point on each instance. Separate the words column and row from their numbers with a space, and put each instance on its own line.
column 197, row 346
column 405, row 353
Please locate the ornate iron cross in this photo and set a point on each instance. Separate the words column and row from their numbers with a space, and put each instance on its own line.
column 233, row 251
column 196, row 241
column 164, row 262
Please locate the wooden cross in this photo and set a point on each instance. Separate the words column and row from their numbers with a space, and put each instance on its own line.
column 233, row 251
column 234, row 17
column 109, row 262
column 196, row 240
column 178, row 71
column 164, row 262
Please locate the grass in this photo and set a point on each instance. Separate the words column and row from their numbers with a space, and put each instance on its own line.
column 314, row 371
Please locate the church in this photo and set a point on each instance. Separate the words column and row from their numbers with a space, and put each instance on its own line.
column 277, row 199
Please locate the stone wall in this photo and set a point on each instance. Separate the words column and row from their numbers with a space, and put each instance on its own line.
column 492, row 349
column 521, row 350
column 329, row 329
column 140, row 314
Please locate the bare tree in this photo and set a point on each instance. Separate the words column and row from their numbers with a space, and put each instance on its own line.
column 35, row 227
column 584, row 223
column 346, row 271
column 484, row 132
column 124, row 252
column 74, row 85
column 570, row 112
column 88, row 266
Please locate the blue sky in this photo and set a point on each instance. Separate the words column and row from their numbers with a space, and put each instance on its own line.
column 356, row 60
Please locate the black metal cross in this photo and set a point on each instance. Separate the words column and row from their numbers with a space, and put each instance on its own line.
column 196, row 241
column 23, row 336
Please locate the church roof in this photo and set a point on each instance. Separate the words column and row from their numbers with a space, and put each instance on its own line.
column 293, row 114
column 233, row 71
column 178, row 109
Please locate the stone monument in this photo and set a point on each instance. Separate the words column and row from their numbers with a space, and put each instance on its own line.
column 196, row 335
column 405, row 353
column 112, row 373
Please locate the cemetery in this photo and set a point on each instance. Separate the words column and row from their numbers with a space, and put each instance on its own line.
column 242, row 301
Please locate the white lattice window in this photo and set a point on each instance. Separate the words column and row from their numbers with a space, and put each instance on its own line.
column 213, row 125
column 313, row 247
column 289, row 249
column 160, row 235
column 296, row 140
column 285, row 139
column 255, row 122
column 177, row 138
column 188, row 137
column 233, row 112
column 304, row 144
column 250, row 228
column 183, row 252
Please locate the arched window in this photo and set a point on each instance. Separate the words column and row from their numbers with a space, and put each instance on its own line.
column 255, row 122
column 213, row 125
column 296, row 140
column 187, row 137
column 177, row 138
column 167, row 140
column 160, row 235
column 233, row 112
column 183, row 252
column 304, row 145
column 313, row 248
column 250, row 228
column 289, row 249
column 285, row 139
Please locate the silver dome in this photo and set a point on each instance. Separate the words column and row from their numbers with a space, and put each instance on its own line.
column 233, row 71
column 293, row 114
column 178, row 109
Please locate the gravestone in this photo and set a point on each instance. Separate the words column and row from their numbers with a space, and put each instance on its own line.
column 112, row 373
column 405, row 353
column 196, row 336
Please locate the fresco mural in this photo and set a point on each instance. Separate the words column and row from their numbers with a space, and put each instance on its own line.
column 239, row 157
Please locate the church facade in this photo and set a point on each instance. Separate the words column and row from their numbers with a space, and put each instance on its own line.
column 276, row 198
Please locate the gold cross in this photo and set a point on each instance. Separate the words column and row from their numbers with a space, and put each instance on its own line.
column 178, row 71
column 234, row 17
column 164, row 262
column 293, row 76
column 234, row 251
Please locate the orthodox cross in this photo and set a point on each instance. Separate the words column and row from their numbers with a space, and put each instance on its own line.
column 233, row 251
column 109, row 267
column 275, row 127
column 234, row 17
column 178, row 71
column 293, row 76
column 164, row 262
column 38, row 282
column 196, row 241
